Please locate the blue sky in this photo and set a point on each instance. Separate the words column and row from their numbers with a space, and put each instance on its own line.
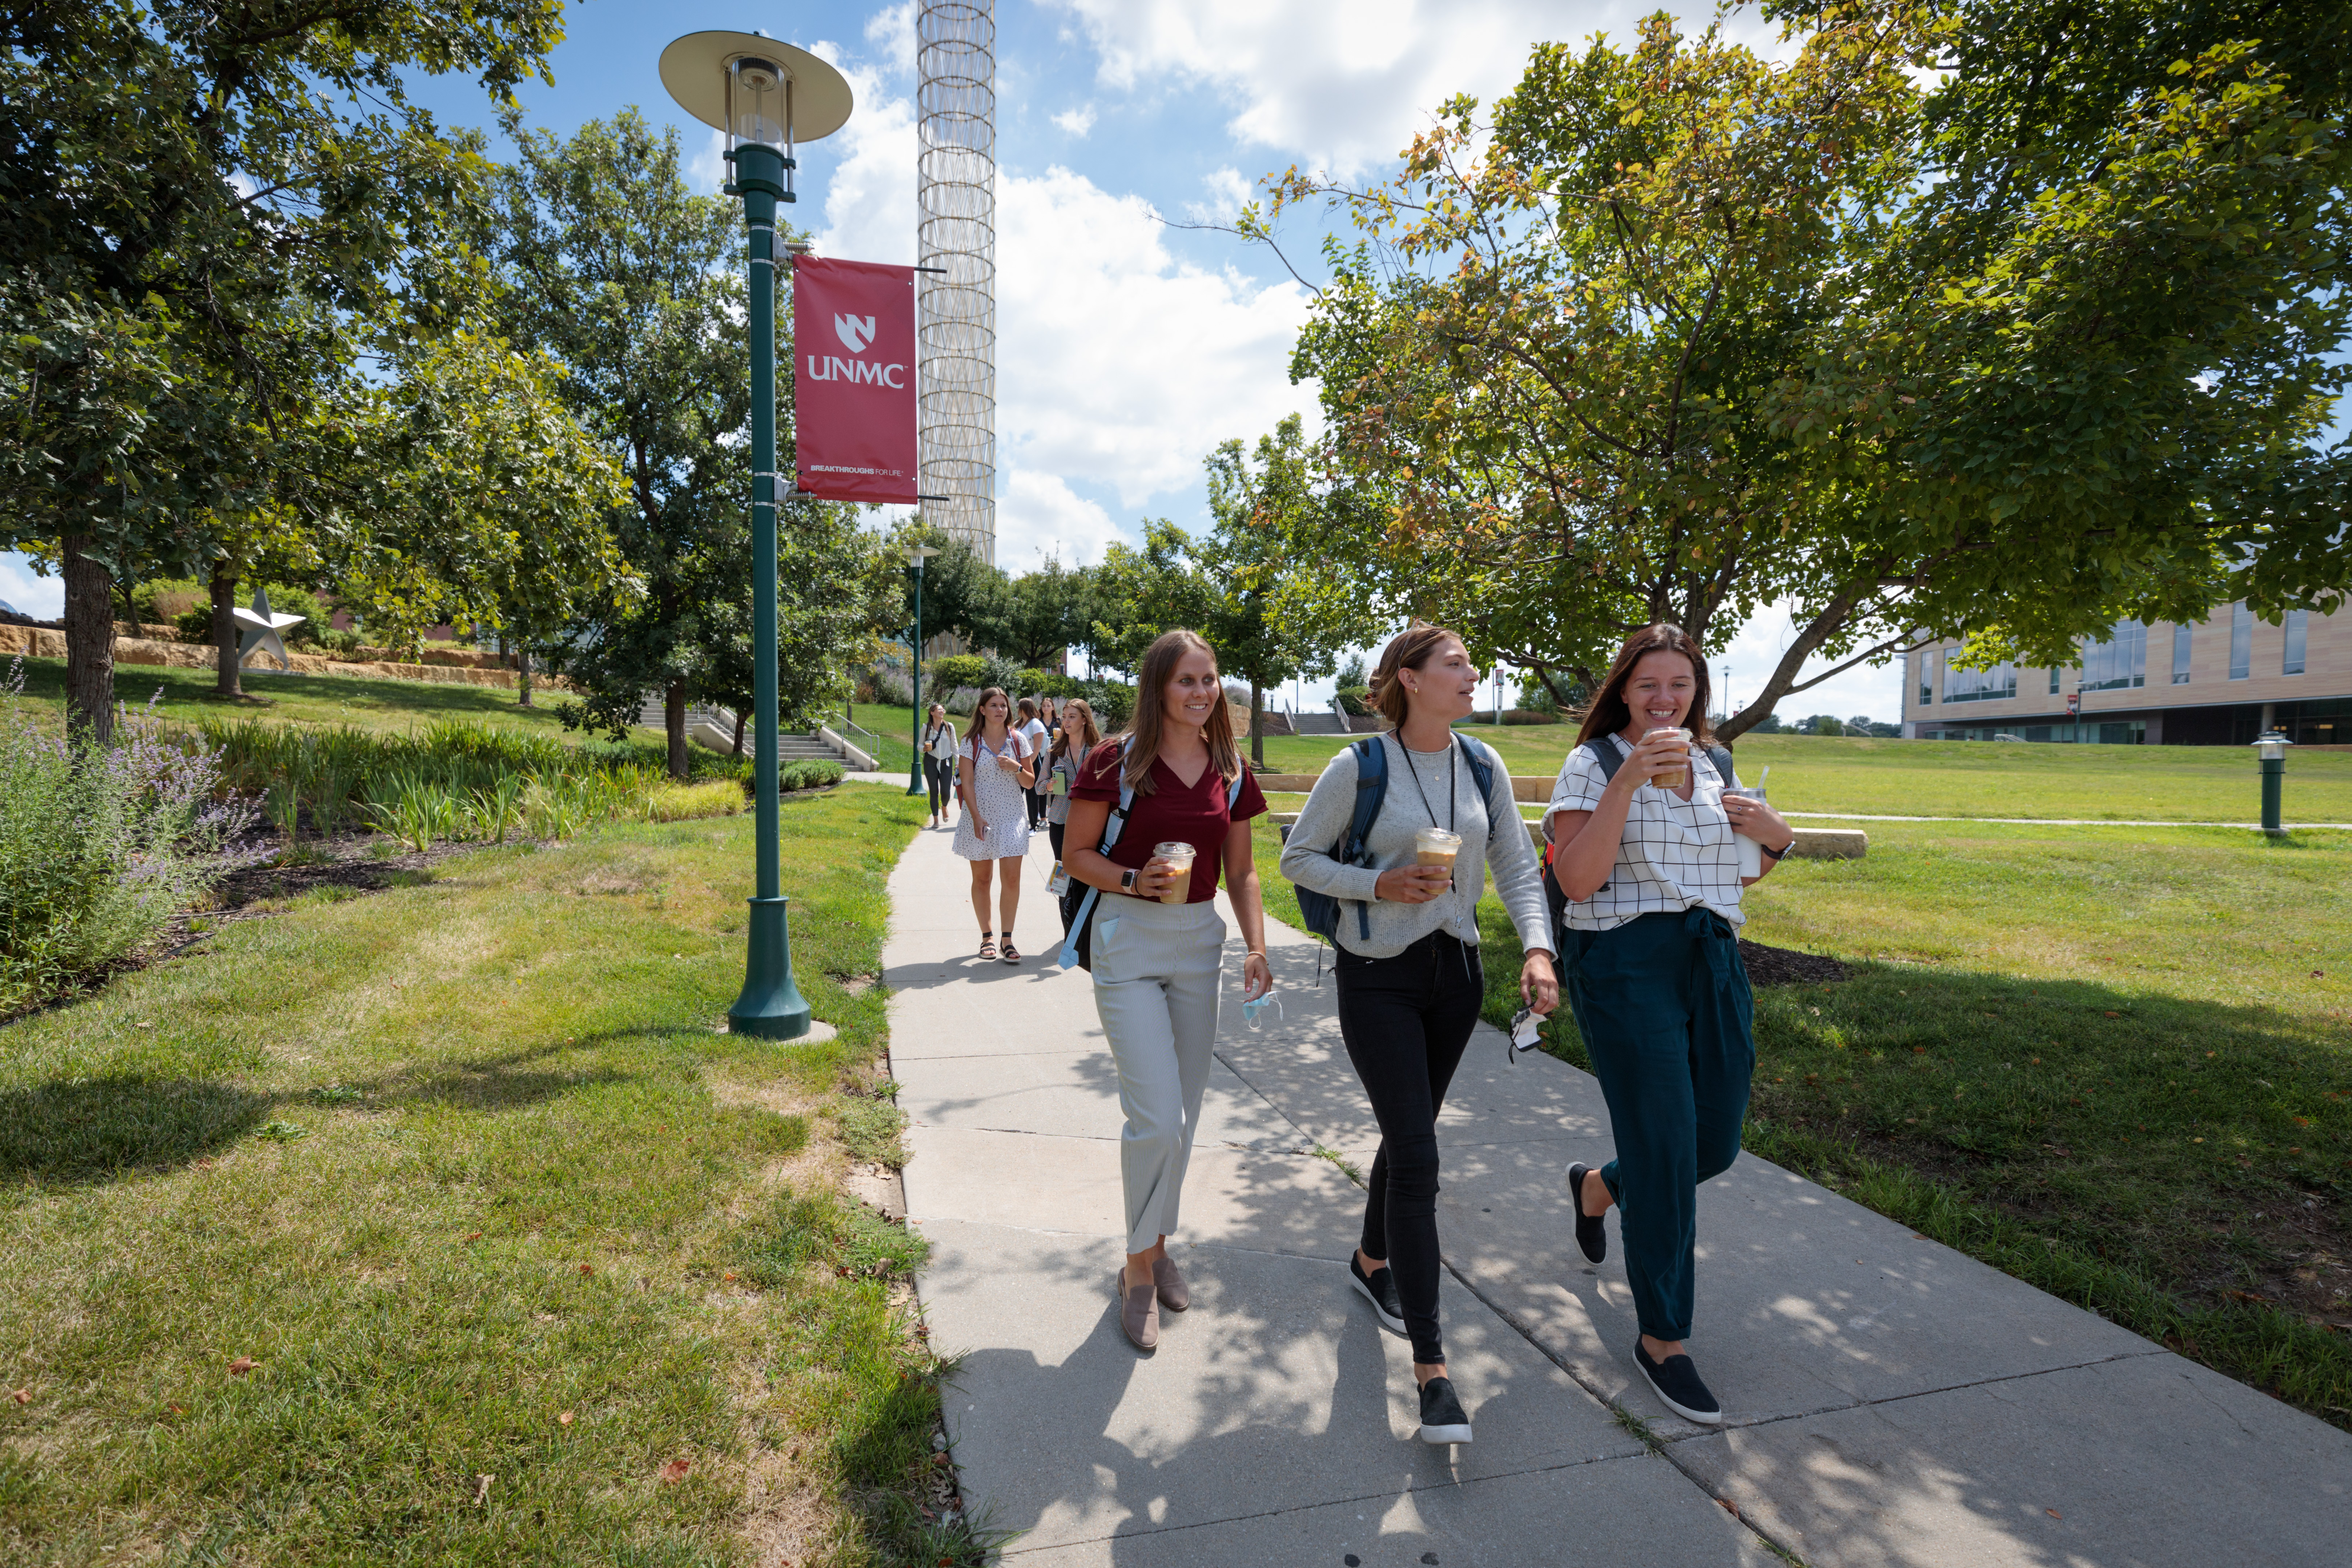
column 1127, row 349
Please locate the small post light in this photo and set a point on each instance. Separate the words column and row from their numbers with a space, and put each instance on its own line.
column 2271, row 748
column 916, row 555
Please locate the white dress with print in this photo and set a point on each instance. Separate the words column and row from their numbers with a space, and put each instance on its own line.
column 1001, row 800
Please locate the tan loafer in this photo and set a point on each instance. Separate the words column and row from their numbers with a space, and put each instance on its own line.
column 1139, row 1311
column 1174, row 1294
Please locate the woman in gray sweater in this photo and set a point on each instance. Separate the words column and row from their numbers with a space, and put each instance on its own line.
column 1408, row 975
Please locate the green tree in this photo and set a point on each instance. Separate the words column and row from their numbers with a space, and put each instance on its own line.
column 208, row 205
column 1263, row 501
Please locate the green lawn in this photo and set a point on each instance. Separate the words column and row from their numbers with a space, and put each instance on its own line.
column 363, row 703
column 1952, row 778
column 2116, row 1062
column 440, row 1226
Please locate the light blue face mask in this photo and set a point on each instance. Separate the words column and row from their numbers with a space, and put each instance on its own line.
column 1253, row 1011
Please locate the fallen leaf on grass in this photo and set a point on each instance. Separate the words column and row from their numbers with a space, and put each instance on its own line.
column 675, row 1469
column 564, row 1419
column 584, row 1268
column 482, row 1490
column 242, row 1365
column 206, row 1163
column 23, row 1397
column 2246, row 1296
column 473, row 1236
column 2113, row 1014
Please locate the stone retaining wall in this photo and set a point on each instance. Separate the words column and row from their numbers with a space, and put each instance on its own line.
column 452, row 668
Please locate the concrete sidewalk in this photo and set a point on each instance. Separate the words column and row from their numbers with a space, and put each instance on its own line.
column 1892, row 1401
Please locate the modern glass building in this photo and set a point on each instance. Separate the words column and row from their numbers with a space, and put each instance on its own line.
column 2218, row 683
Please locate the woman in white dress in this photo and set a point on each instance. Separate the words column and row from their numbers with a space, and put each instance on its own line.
column 996, row 767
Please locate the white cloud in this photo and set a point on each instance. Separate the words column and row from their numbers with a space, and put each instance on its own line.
column 1344, row 86
column 1117, row 364
column 1037, row 515
column 1228, row 192
column 43, row 598
column 865, row 173
column 1077, row 122
column 706, row 169
column 892, row 30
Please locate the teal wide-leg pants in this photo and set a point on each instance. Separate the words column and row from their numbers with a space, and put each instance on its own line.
column 1663, row 1005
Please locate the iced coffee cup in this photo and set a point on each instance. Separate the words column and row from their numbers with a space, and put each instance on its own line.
column 1675, row 774
column 1751, row 853
column 1178, row 858
column 1435, row 846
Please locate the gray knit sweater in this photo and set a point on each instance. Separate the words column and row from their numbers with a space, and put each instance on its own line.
column 1519, row 876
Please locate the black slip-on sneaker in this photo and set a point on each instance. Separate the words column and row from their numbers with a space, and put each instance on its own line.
column 1380, row 1288
column 1590, row 1236
column 1676, row 1383
column 1442, row 1417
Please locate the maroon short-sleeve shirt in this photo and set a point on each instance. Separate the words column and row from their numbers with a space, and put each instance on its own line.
column 1193, row 814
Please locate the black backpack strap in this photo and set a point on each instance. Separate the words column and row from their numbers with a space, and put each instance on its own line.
column 1605, row 756
column 1720, row 756
column 1481, row 760
column 1371, row 793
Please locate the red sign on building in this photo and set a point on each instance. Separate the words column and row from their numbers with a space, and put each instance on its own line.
column 854, row 380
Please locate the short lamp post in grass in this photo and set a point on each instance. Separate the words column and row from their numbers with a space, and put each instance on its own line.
column 762, row 94
column 916, row 555
column 2271, row 748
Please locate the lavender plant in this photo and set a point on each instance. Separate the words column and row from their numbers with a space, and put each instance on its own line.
column 101, row 846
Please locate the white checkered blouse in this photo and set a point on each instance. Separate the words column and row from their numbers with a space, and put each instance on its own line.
column 1675, row 853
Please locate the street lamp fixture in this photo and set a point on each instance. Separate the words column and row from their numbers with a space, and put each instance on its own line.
column 764, row 94
column 2270, row 747
column 916, row 555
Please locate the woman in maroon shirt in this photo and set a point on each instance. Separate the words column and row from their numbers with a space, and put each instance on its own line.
column 1157, row 943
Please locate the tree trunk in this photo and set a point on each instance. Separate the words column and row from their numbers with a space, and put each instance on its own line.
column 230, row 682
column 89, row 642
column 1257, row 725
column 674, row 722
column 523, row 675
column 739, row 732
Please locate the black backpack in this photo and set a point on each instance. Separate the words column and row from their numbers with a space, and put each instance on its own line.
column 1607, row 757
column 1321, row 911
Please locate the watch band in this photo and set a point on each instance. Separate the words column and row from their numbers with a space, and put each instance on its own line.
column 1779, row 853
column 1127, row 879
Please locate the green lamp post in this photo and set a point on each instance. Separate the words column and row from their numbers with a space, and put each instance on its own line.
column 916, row 555
column 763, row 94
column 2271, row 748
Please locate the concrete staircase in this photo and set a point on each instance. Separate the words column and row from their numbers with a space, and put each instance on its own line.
column 715, row 728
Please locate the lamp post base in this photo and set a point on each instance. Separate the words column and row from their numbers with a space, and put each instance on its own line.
column 771, row 1007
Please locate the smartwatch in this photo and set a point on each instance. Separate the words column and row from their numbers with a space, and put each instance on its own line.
column 1127, row 879
column 1779, row 853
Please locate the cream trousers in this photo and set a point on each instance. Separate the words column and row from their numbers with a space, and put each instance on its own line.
column 1156, row 987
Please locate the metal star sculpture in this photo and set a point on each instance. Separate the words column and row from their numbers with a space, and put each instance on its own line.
column 262, row 628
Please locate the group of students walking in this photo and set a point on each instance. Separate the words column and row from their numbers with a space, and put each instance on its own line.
column 1634, row 916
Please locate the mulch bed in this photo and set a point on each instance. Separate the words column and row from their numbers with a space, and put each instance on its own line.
column 1785, row 966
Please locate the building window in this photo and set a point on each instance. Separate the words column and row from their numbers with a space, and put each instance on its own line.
column 2054, row 681
column 1980, row 685
column 1928, row 657
column 2298, row 623
column 2242, row 641
column 2119, row 662
column 2180, row 656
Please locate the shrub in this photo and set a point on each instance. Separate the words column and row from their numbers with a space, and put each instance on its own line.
column 953, row 670
column 1112, row 700
column 195, row 624
column 99, row 847
column 1354, row 700
column 808, row 773
column 889, row 686
column 678, row 802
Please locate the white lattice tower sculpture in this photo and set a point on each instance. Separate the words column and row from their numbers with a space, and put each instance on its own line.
column 955, row 197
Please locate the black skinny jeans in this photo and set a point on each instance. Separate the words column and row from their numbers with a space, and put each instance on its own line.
column 939, row 773
column 1407, row 1021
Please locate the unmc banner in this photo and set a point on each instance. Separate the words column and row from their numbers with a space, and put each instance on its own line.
column 854, row 380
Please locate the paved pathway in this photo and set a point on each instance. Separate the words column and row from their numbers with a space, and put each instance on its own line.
column 1892, row 1401
column 2057, row 821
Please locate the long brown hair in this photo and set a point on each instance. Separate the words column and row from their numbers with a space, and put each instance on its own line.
column 1610, row 713
column 1080, row 733
column 1150, row 715
column 1409, row 650
column 980, row 719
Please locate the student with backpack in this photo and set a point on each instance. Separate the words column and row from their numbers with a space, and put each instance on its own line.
column 1154, row 816
column 1365, row 856
column 1642, row 830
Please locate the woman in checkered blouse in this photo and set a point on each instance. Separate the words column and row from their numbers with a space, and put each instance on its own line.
column 1651, row 956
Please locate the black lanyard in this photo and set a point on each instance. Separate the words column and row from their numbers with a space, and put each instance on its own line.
column 1454, row 785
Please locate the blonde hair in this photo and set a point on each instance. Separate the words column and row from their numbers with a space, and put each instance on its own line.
column 1150, row 715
